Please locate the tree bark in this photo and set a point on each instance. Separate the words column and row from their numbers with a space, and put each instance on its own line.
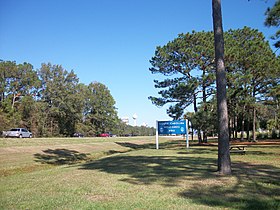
column 248, row 129
column 243, row 124
column 195, row 110
column 229, row 128
column 224, row 162
column 192, row 133
column 189, row 126
column 242, row 129
column 254, row 123
column 205, row 106
column 235, row 126
column 254, row 112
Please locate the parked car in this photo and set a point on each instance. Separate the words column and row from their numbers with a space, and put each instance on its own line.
column 80, row 135
column 18, row 133
column 104, row 135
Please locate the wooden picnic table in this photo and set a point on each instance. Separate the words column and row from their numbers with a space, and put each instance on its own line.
column 234, row 148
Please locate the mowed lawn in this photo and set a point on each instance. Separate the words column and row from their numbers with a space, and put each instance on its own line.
column 128, row 173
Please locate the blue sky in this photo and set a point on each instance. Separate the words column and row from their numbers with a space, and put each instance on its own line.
column 112, row 41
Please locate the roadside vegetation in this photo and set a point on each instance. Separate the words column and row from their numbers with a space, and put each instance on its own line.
column 51, row 102
column 252, row 68
column 128, row 173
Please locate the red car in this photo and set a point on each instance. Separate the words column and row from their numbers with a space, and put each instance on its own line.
column 104, row 135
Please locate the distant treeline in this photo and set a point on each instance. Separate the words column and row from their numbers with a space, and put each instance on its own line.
column 51, row 101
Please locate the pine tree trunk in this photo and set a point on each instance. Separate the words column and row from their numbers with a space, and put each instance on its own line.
column 232, row 128
column 205, row 107
column 254, row 112
column 235, row 127
column 192, row 133
column 276, row 117
column 195, row 110
column 229, row 128
column 199, row 136
column 205, row 136
column 254, row 123
column 189, row 126
column 248, row 129
column 224, row 162
column 242, row 125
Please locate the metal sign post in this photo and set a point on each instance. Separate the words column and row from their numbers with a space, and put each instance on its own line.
column 187, row 135
column 157, row 146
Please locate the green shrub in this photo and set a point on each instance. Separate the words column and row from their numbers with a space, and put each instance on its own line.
column 263, row 135
column 275, row 134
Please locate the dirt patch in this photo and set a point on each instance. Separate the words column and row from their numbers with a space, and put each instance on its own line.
column 23, row 169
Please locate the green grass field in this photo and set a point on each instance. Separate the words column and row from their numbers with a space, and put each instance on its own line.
column 128, row 173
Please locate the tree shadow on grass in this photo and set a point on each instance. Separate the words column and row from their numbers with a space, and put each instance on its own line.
column 251, row 186
column 199, row 150
column 60, row 156
column 172, row 144
column 136, row 146
column 167, row 170
column 256, row 187
column 259, row 153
